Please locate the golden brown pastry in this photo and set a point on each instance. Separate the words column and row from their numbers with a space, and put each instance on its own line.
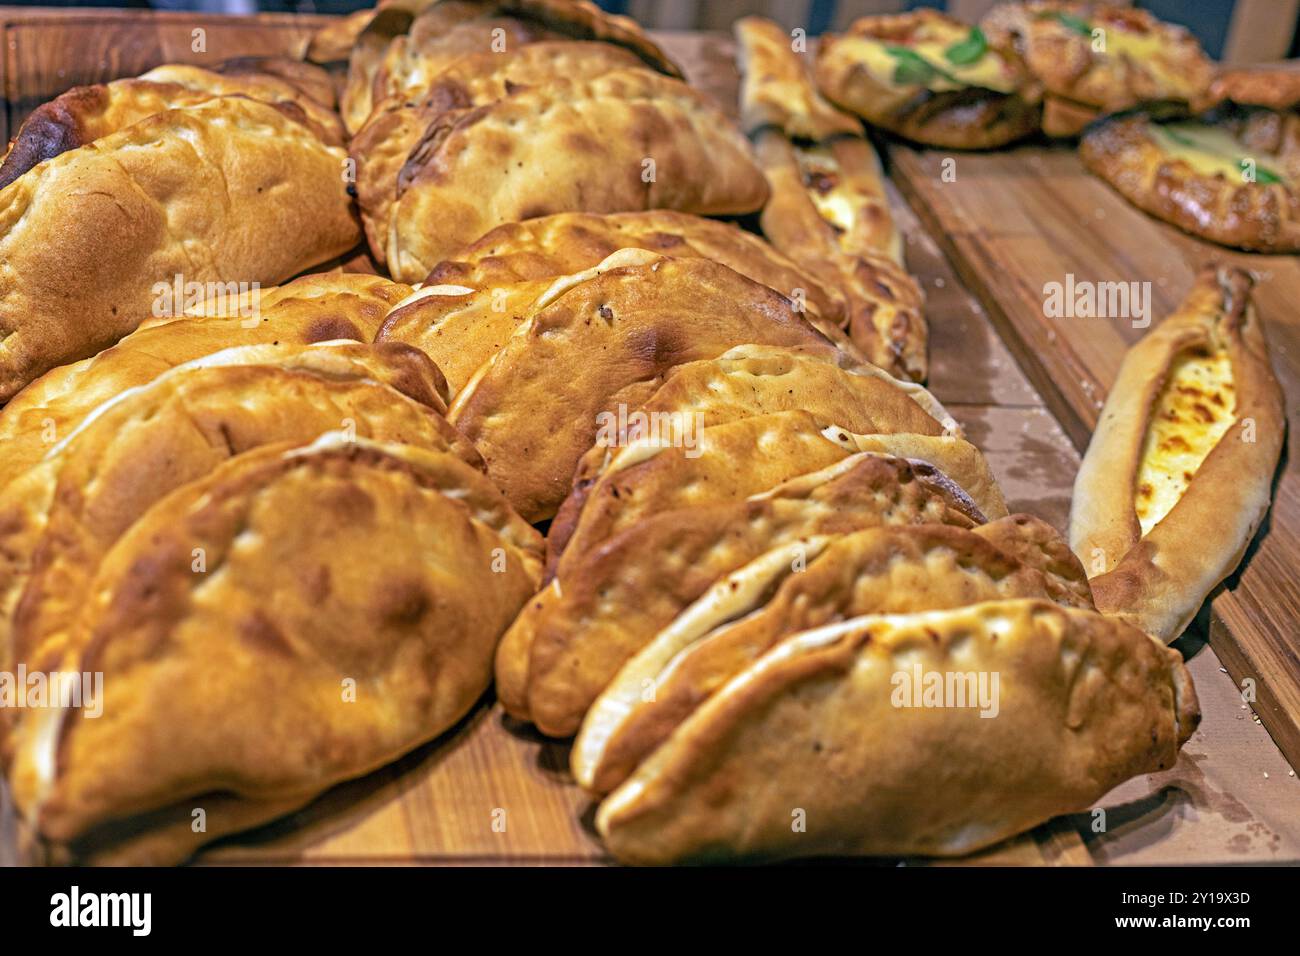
column 383, row 145
column 750, row 450
column 472, row 303
column 929, row 78
column 405, row 46
column 312, row 309
column 828, row 209
column 1093, row 59
column 816, row 748
column 1231, row 176
column 360, row 638
column 627, row 140
column 86, row 113
column 228, row 191
column 601, row 340
column 62, row 516
column 607, row 602
column 748, row 381
column 1178, row 475
column 887, row 570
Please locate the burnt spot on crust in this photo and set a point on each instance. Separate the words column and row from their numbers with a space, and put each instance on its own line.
column 401, row 602
column 52, row 129
column 326, row 328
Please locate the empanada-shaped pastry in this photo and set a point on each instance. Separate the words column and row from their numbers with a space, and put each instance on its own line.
column 743, row 382
column 228, row 191
column 888, row 570
column 627, row 140
column 312, row 309
column 1097, row 58
column 397, row 54
column 470, row 305
column 929, row 78
column 86, row 113
column 600, row 342
column 737, row 459
column 570, row 242
column 61, row 517
column 340, row 644
column 381, row 147
column 1178, row 475
column 607, row 602
column 1232, row 176
column 868, row 737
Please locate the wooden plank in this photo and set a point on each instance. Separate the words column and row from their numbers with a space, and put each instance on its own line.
column 1015, row 220
column 117, row 43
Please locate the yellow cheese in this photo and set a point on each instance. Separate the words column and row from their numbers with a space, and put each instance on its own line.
column 1208, row 150
column 988, row 72
column 1195, row 408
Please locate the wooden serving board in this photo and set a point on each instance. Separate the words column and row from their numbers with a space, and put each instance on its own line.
column 1014, row 221
column 446, row 802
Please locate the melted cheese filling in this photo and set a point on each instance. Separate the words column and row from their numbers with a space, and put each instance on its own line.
column 818, row 168
column 1194, row 410
column 1208, row 150
column 988, row 72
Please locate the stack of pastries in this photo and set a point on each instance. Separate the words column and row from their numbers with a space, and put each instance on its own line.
column 301, row 542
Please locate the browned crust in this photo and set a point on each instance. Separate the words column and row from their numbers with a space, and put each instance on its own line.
column 609, row 340
column 812, row 726
column 1274, row 89
column 888, row 570
column 1159, row 582
column 86, row 235
column 612, row 599
column 1256, row 216
column 886, row 306
column 568, row 146
column 430, row 674
column 1081, row 82
column 970, row 118
column 777, row 87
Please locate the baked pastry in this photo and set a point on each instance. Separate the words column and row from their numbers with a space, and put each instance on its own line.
column 230, row 190
column 470, row 304
column 86, row 113
column 1232, row 176
column 1257, row 86
column 366, row 636
column 749, row 450
column 600, row 340
column 383, row 145
column 885, row 570
column 748, row 381
column 808, row 751
column 828, row 210
column 604, row 604
column 930, row 79
column 312, row 309
column 62, row 516
column 1093, row 59
column 1178, row 475
column 626, row 140
column 406, row 45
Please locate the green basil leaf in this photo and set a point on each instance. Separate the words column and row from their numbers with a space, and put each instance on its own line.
column 969, row 50
column 1265, row 176
column 911, row 68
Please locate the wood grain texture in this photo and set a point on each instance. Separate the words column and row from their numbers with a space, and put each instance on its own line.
column 1016, row 220
column 440, row 804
